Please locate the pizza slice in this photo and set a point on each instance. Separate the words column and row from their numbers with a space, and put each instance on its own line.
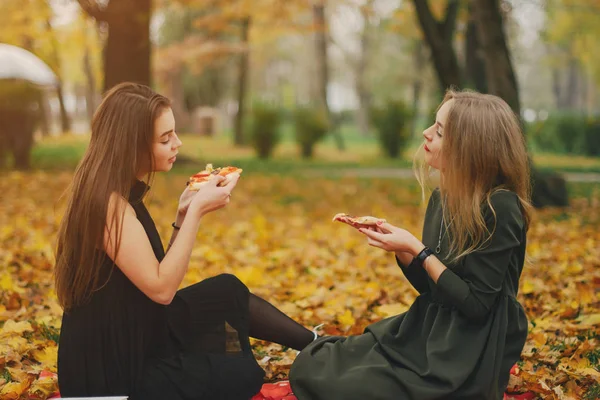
column 198, row 180
column 358, row 222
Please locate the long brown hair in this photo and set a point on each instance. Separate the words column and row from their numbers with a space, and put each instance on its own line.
column 483, row 151
column 120, row 144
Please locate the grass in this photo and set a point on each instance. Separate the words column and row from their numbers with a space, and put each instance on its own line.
column 65, row 151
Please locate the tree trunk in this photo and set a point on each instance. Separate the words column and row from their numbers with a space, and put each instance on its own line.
column 571, row 86
column 557, row 89
column 501, row 78
column 362, row 89
column 65, row 121
column 439, row 37
column 127, row 50
column 90, row 86
column 548, row 189
column 417, row 86
column 474, row 59
column 44, row 113
column 239, row 139
column 321, row 41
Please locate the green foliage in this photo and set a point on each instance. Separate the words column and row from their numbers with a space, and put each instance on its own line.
column 264, row 129
column 593, row 392
column 592, row 138
column 567, row 133
column 311, row 126
column 392, row 122
column 18, row 95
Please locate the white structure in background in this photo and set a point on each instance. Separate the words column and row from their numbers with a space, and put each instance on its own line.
column 18, row 63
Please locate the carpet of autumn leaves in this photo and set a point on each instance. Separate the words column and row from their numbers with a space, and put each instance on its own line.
column 277, row 236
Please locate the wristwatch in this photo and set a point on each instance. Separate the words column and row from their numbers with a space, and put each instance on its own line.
column 420, row 258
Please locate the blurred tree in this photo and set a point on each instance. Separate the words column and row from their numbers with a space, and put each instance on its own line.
column 475, row 76
column 27, row 24
column 80, row 52
column 439, row 35
column 228, row 27
column 321, row 30
column 501, row 78
column 19, row 115
column 127, row 48
column 358, row 53
column 362, row 89
column 191, row 63
column 570, row 32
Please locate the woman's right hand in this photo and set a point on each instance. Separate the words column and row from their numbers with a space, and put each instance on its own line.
column 212, row 197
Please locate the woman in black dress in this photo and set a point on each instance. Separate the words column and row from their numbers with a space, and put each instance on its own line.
column 126, row 329
column 466, row 329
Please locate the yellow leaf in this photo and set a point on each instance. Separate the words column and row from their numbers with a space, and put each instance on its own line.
column 591, row 319
column 46, row 356
column 574, row 269
column 346, row 319
column 388, row 310
column 6, row 282
column 44, row 387
column 14, row 390
column 11, row 326
column 527, row 288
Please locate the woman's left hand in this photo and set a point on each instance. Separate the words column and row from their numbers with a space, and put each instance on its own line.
column 184, row 202
column 391, row 238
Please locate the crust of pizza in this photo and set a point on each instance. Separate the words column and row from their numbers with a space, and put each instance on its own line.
column 366, row 220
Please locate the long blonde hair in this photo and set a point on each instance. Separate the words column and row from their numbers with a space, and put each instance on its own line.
column 121, row 142
column 483, row 151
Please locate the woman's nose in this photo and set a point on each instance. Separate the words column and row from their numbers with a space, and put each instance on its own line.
column 178, row 143
column 427, row 133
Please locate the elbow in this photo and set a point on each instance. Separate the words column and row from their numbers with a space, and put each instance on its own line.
column 164, row 297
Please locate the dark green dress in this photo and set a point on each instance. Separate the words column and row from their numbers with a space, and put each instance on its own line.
column 458, row 340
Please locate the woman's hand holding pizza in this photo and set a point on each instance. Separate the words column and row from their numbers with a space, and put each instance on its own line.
column 184, row 203
column 384, row 235
column 391, row 238
column 212, row 196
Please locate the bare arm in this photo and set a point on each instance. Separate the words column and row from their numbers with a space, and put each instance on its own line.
column 158, row 280
column 178, row 221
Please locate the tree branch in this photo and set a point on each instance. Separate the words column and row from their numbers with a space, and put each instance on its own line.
column 92, row 8
column 428, row 22
column 449, row 23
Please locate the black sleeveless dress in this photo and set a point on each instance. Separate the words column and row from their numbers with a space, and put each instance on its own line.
column 123, row 343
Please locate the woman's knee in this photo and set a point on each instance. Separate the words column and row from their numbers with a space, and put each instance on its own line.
column 231, row 283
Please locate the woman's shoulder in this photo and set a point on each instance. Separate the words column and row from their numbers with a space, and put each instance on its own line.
column 117, row 204
column 504, row 206
column 504, row 198
column 434, row 200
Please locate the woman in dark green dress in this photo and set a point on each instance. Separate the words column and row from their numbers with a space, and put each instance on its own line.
column 466, row 329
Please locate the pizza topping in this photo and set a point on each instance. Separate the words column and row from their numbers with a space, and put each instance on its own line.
column 202, row 177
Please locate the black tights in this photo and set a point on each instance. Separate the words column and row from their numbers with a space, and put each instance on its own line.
column 268, row 323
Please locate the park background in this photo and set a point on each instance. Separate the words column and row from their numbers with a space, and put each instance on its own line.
column 322, row 103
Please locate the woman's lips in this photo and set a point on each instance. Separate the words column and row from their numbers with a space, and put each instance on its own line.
column 172, row 159
column 426, row 148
